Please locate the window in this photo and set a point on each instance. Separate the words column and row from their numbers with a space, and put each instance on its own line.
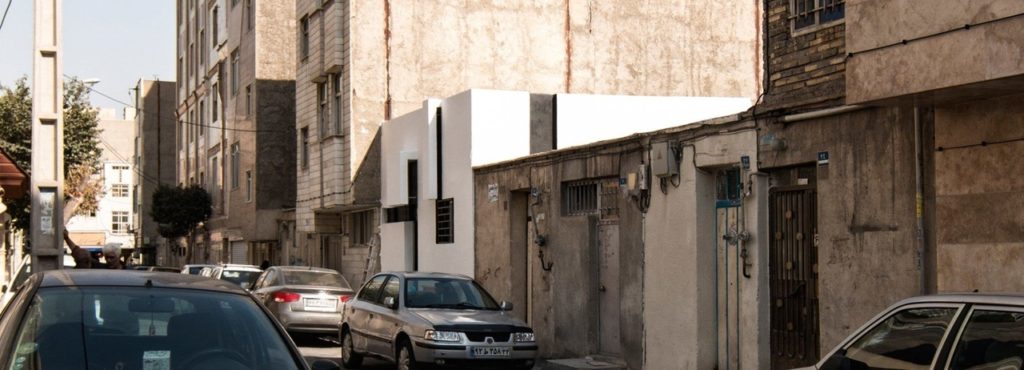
column 337, row 104
column 214, row 172
column 202, row 117
column 181, row 69
column 390, row 290
column 234, row 72
column 213, row 104
column 202, row 49
column 304, row 155
column 304, row 41
column 908, row 339
column 248, row 99
column 234, row 2
column 361, row 227
column 579, row 198
column 321, row 111
column 213, row 25
column 445, row 222
column 119, row 222
column 191, row 126
column 119, row 190
column 807, row 13
column 371, row 290
column 248, row 186
column 249, row 12
column 120, row 171
column 234, row 165
column 991, row 339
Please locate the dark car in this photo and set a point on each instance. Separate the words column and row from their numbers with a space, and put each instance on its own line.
column 417, row 318
column 304, row 299
column 102, row 319
column 965, row 331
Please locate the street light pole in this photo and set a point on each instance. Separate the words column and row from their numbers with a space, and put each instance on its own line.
column 47, row 188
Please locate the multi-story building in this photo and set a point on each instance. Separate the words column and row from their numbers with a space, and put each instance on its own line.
column 155, row 123
column 111, row 221
column 361, row 63
column 235, row 121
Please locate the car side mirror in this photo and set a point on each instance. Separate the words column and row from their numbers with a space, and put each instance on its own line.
column 325, row 365
column 391, row 303
column 506, row 306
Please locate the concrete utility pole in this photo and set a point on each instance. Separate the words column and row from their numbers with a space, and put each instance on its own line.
column 47, row 138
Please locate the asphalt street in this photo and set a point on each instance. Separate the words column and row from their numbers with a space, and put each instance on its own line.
column 320, row 347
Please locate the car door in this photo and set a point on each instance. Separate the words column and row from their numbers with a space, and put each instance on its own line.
column 384, row 320
column 991, row 338
column 263, row 287
column 358, row 312
column 910, row 337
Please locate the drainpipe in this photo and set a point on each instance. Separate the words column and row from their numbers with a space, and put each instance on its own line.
column 822, row 113
column 919, row 202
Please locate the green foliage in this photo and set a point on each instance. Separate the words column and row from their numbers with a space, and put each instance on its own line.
column 81, row 135
column 179, row 210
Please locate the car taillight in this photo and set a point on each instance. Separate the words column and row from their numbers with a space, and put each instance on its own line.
column 344, row 298
column 284, row 297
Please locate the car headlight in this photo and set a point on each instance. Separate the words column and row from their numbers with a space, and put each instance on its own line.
column 442, row 336
column 522, row 337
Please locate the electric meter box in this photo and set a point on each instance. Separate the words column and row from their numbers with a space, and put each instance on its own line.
column 663, row 160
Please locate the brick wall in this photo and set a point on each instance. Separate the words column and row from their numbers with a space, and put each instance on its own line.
column 806, row 68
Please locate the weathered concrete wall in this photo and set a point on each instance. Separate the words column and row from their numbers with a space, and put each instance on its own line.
column 156, row 138
column 983, row 52
column 979, row 198
column 865, row 210
column 805, row 68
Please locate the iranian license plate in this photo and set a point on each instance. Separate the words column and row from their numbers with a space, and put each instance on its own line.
column 320, row 304
column 492, row 351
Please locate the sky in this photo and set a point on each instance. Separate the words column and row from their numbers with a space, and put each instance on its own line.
column 116, row 41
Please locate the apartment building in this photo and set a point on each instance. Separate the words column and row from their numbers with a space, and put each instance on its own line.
column 155, row 162
column 360, row 63
column 235, row 122
column 111, row 221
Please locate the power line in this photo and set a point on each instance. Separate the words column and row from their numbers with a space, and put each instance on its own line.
column 4, row 19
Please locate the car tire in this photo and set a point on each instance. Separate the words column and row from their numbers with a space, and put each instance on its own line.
column 406, row 358
column 349, row 358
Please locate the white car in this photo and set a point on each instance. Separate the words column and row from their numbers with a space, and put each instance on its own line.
column 243, row 275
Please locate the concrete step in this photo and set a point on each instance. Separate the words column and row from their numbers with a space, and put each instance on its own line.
column 589, row 362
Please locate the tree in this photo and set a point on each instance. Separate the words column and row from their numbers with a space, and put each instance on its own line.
column 81, row 144
column 178, row 211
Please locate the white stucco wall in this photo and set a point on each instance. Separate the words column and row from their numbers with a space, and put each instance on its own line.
column 584, row 119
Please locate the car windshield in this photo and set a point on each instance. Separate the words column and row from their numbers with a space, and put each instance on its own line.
column 320, row 278
column 194, row 270
column 447, row 293
column 147, row 328
column 241, row 277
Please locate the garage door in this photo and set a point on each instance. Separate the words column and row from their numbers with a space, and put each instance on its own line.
column 239, row 252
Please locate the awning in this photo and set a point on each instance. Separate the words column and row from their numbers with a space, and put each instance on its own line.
column 12, row 178
column 85, row 240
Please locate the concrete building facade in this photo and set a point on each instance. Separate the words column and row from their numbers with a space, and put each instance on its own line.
column 155, row 164
column 111, row 223
column 363, row 63
column 235, row 115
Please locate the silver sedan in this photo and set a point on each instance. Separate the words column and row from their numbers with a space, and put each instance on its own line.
column 304, row 299
column 417, row 319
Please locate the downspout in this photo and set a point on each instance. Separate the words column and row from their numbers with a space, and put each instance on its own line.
column 919, row 202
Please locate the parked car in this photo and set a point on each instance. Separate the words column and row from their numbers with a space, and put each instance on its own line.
column 304, row 299
column 968, row 331
column 206, row 271
column 102, row 319
column 193, row 269
column 243, row 275
column 163, row 269
column 417, row 319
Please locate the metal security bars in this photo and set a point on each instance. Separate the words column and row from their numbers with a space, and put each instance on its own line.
column 807, row 13
column 445, row 221
column 793, row 276
column 597, row 196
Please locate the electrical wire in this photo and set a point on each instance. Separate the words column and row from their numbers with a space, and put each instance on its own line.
column 4, row 19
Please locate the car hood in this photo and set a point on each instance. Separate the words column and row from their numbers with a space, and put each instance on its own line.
column 449, row 318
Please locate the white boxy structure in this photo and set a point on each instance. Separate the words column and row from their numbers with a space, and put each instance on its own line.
column 428, row 156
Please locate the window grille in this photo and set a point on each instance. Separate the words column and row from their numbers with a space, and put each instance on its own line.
column 807, row 13
column 361, row 225
column 445, row 221
column 588, row 197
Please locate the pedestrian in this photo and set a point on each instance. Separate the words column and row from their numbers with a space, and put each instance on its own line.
column 83, row 259
column 112, row 255
column 265, row 265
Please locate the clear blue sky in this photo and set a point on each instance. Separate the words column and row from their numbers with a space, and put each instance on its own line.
column 116, row 41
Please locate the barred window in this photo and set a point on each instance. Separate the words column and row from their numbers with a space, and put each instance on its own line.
column 805, row 14
column 119, row 190
column 361, row 227
column 445, row 222
column 597, row 196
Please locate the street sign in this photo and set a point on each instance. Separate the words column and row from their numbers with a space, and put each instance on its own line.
column 822, row 158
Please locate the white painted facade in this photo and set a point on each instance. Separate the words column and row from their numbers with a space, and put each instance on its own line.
column 481, row 127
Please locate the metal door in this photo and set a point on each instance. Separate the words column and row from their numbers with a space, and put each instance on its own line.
column 793, row 269
column 239, row 252
column 727, row 282
column 608, row 250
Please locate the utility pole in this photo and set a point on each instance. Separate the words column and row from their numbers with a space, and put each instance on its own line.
column 47, row 229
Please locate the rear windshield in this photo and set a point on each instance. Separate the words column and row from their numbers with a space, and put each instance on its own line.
column 319, row 278
column 194, row 270
column 147, row 328
column 242, row 278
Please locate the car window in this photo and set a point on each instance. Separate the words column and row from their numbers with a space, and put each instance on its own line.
column 136, row 328
column 371, row 290
column 991, row 340
column 446, row 293
column 243, row 278
column 390, row 290
column 906, row 340
column 262, row 280
column 319, row 278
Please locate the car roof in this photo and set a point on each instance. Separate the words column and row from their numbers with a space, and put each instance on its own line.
column 129, row 278
column 972, row 298
column 303, row 268
column 238, row 267
column 422, row 274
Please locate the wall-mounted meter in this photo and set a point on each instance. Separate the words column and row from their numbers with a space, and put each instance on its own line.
column 663, row 159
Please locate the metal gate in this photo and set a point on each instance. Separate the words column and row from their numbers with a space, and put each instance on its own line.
column 239, row 252
column 793, row 269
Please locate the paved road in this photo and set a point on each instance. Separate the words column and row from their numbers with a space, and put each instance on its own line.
column 315, row 348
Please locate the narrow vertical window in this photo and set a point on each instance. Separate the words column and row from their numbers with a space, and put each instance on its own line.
column 248, row 186
column 337, row 105
column 234, row 72
column 235, row 164
column 304, row 42
column 321, row 109
column 304, row 155
column 248, row 99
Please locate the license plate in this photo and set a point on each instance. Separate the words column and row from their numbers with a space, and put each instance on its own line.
column 320, row 304
column 492, row 351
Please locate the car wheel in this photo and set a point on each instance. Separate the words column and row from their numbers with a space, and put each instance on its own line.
column 406, row 357
column 349, row 358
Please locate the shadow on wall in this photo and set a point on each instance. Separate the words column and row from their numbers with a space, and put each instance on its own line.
column 366, row 185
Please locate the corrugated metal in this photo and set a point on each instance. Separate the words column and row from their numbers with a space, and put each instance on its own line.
column 239, row 252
